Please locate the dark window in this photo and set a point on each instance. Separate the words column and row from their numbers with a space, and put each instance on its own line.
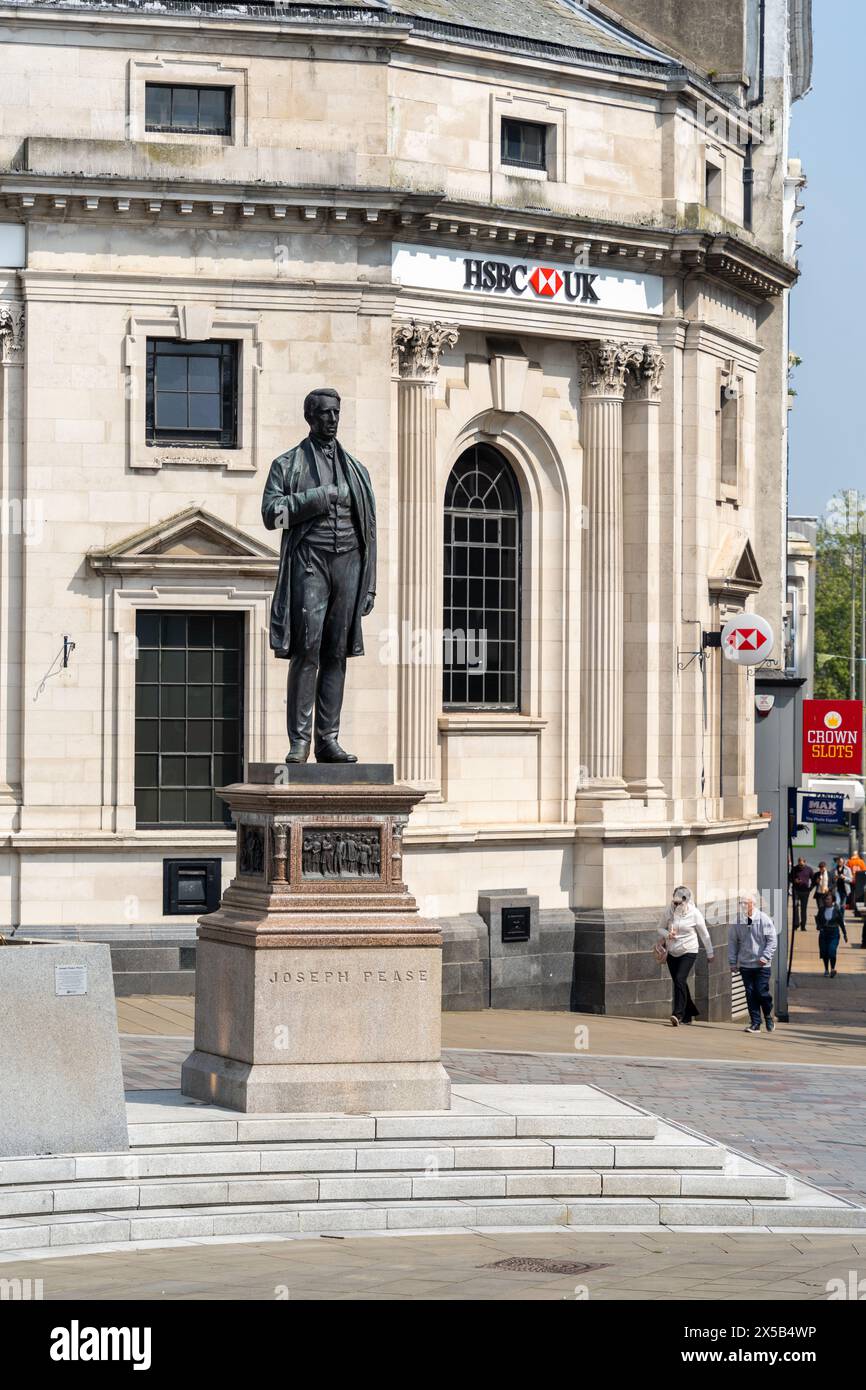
column 191, row 110
column 481, row 646
column 188, row 716
column 192, row 393
column 524, row 143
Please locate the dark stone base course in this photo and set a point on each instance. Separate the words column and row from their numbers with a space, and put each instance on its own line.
column 313, row 774
column 594, row 962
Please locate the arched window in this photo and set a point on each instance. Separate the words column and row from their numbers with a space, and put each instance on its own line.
column 481, row 647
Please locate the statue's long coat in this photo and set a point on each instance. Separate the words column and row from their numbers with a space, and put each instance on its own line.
column 299, row 508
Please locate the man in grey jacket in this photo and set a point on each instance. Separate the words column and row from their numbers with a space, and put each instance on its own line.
column 751, row 947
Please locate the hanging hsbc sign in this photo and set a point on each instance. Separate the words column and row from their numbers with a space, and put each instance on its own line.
column 747, row 639
column 534, row 281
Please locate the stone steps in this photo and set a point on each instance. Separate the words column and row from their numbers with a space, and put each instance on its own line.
column 72, row 1231
column 504, row 1156
column 410, row 1183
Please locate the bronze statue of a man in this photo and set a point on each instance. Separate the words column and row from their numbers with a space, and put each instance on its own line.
column 322, row 500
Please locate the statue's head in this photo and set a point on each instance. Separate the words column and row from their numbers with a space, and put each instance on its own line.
column 322, row 412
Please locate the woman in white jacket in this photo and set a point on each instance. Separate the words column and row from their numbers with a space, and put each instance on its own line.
column 681, row 926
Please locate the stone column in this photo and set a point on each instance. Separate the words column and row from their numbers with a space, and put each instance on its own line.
column 14, row 502
column 416, row 351
column 643, row 570
column 604, row 367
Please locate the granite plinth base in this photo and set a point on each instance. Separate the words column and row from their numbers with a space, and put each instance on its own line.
column 346, row 1088
column 318, row 984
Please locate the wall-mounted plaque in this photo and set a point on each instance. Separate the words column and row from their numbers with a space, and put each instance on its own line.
column 515, row 923
column 70, row 979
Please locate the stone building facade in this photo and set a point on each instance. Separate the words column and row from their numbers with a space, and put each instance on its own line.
column 515, row 238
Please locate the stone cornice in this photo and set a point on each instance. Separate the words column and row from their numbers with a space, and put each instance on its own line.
column 428, row 219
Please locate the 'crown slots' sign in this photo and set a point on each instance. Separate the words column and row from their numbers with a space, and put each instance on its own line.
column 833, row 737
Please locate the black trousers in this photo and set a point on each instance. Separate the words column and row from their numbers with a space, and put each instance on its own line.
column 324, row 596
column 801, row 907
column 683, row 1006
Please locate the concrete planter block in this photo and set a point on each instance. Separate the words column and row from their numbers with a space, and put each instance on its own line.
column 61, row 1086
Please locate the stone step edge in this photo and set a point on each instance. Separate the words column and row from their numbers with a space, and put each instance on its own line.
column 101, row 1191
column 441, row 1214
column 69, row 1168
column 190, row 1139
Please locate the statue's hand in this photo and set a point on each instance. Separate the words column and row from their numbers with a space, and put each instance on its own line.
column 368, row 605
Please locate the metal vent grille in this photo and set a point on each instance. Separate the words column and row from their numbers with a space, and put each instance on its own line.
column 525, row 1265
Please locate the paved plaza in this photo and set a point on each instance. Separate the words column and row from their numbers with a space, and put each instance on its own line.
column 463, row 1266
column 795, row 1100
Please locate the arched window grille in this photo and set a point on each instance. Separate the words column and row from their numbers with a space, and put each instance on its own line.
column 481, row 645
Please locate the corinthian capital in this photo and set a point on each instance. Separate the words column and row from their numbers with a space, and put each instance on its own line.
column 646, row 379
column 604, row 367
column 417, row 347
column 11, row 332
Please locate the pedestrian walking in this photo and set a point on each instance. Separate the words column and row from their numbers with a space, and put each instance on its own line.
column 830, row 921
column 843, row 882
column 751, row 947
column 821, row 880
column 801, row 886
column 857, row 864
column 681, row 929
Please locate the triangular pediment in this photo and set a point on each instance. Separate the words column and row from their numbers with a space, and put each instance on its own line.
column 735, row 570
column 190, row 541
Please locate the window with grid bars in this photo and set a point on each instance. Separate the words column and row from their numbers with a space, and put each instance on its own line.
column 481, row 646
column 189, row 110
column 524, row 144
column 192, row 393
column 188, row 716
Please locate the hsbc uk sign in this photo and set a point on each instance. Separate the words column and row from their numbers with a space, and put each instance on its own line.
column 545, row 281
column 532, row 281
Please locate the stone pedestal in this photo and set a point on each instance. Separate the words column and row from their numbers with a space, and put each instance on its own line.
column 61, row 1086
column 318, row 985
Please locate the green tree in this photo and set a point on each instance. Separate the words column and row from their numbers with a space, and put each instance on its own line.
column 838, row 552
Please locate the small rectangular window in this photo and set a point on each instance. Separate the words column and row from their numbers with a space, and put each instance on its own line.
column 524, row 144
column 729, row 433
column 713, row 188
column 188, row 110
column 191, row 393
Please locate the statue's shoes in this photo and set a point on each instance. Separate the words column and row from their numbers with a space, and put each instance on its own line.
column 331, row 752
column 298, row 753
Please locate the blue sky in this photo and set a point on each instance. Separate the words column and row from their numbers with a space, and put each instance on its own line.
column 828, row 431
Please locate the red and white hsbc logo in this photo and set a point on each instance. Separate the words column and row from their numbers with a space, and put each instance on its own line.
column 545, row 281
column 747, row 639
